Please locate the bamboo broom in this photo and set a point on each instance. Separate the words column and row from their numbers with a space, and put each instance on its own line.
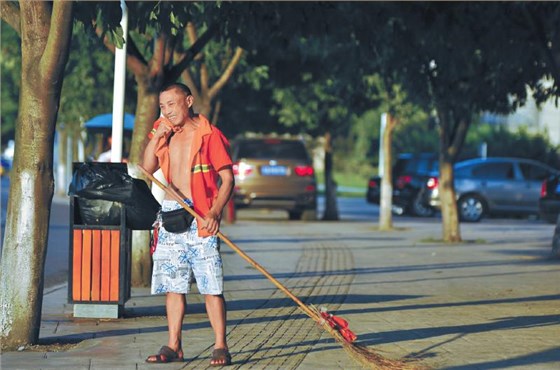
column 362, row 354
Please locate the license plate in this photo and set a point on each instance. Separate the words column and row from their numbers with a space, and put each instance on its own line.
column 274, row 171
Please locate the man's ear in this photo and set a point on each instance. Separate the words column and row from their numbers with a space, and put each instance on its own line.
column 190, row 101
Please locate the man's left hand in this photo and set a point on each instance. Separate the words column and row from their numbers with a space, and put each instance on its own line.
column 211, row 223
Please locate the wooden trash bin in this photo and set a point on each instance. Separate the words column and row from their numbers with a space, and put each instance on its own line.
column 99, row 263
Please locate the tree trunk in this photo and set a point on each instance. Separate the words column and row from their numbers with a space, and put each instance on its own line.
column 146, row 114
column 449, row 215
column 331, row 208
column 216, row 113
column 203, row 106
column 44, row 55
column 452, row 135
column 386, row 196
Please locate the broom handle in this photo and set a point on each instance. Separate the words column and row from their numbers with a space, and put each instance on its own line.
column 173, row 193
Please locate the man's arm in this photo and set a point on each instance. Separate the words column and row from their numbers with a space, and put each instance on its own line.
column 212, row 220
column 150, row 161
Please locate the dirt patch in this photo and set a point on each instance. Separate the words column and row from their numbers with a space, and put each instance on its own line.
column 50, row 347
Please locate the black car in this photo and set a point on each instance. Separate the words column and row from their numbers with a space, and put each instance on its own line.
column 410, row 173
column 549, row 202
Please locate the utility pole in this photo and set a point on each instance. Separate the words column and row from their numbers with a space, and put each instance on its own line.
column 118, row 91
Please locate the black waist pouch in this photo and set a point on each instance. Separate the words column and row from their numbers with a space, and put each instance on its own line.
column 177, row 221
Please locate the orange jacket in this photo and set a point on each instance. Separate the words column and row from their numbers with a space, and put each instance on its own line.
column 209, row 153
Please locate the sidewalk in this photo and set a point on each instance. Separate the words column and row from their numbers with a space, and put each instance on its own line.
column 490, row 303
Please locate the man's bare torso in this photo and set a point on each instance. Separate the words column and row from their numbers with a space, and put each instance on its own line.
column 180, row 147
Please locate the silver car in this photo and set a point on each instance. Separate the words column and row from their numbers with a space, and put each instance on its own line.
column 493, row 185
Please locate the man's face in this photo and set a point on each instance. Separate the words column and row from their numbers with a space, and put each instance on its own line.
column 175, row 106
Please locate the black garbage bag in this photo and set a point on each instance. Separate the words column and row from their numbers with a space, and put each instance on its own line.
column 99, row 212
column 111, row 182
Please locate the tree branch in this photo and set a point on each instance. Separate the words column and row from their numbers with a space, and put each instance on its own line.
column 56, row 50
column 176, row 71
column 203, row 78
column 187, row 77
column 133, row 51
column 460, row 133
column 193, row 37
column 158, row 59
column 134, row 59
column 11, row 15
column 228, row 72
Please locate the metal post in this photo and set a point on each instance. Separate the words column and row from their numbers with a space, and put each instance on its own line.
column 382, row 127
column 118, row 91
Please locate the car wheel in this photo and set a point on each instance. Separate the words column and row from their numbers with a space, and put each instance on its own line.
column 420, row 209
column 471, row 208
column 295, row 215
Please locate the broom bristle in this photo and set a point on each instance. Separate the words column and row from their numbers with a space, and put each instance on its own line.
column 364, row 355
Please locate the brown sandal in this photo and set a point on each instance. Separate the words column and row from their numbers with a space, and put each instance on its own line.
column 220, row 354
column 165, row 355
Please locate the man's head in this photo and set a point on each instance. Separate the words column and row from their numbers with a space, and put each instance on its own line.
column 175, row 103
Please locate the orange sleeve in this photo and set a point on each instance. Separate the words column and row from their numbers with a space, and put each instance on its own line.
column 156, row 125
column 219, row 150
column 154, row 128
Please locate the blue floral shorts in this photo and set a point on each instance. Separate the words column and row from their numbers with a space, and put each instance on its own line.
column 180, row 257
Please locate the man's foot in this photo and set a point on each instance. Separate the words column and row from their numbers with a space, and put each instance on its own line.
column 220, row 357
column 165, row 355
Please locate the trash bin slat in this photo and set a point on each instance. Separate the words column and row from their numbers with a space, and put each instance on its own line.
column 86, row 265
column 115, row 252
column 105, row 265
column 77, row 265
column 96, row 266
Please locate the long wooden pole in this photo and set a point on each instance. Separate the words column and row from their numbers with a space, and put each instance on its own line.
column 173, row 193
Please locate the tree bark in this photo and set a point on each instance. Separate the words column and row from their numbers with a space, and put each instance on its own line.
column 45, row 37
column 146, row 114
column 331, row 208
column 452, row 133
column 386, row 196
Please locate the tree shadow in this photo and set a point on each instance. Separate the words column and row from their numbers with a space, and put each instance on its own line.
column 551, row 355
column 505, row 323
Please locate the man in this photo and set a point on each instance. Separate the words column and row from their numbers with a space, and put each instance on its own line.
column 192, row 153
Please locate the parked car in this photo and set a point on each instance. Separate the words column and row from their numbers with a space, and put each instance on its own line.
column 549, row 202
column 274, row 173
column 410, row 173
column 493, row 185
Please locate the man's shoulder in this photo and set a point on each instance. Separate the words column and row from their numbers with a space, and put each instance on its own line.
column 208, row 128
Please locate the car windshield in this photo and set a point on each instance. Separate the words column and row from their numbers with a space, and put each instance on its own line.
column 272, row 149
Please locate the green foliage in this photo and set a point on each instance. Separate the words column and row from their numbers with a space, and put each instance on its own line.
column 520, row 143
column 359, row 151
column 88, row 84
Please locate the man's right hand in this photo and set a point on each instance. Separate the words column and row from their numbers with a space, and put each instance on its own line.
column 164, row 128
